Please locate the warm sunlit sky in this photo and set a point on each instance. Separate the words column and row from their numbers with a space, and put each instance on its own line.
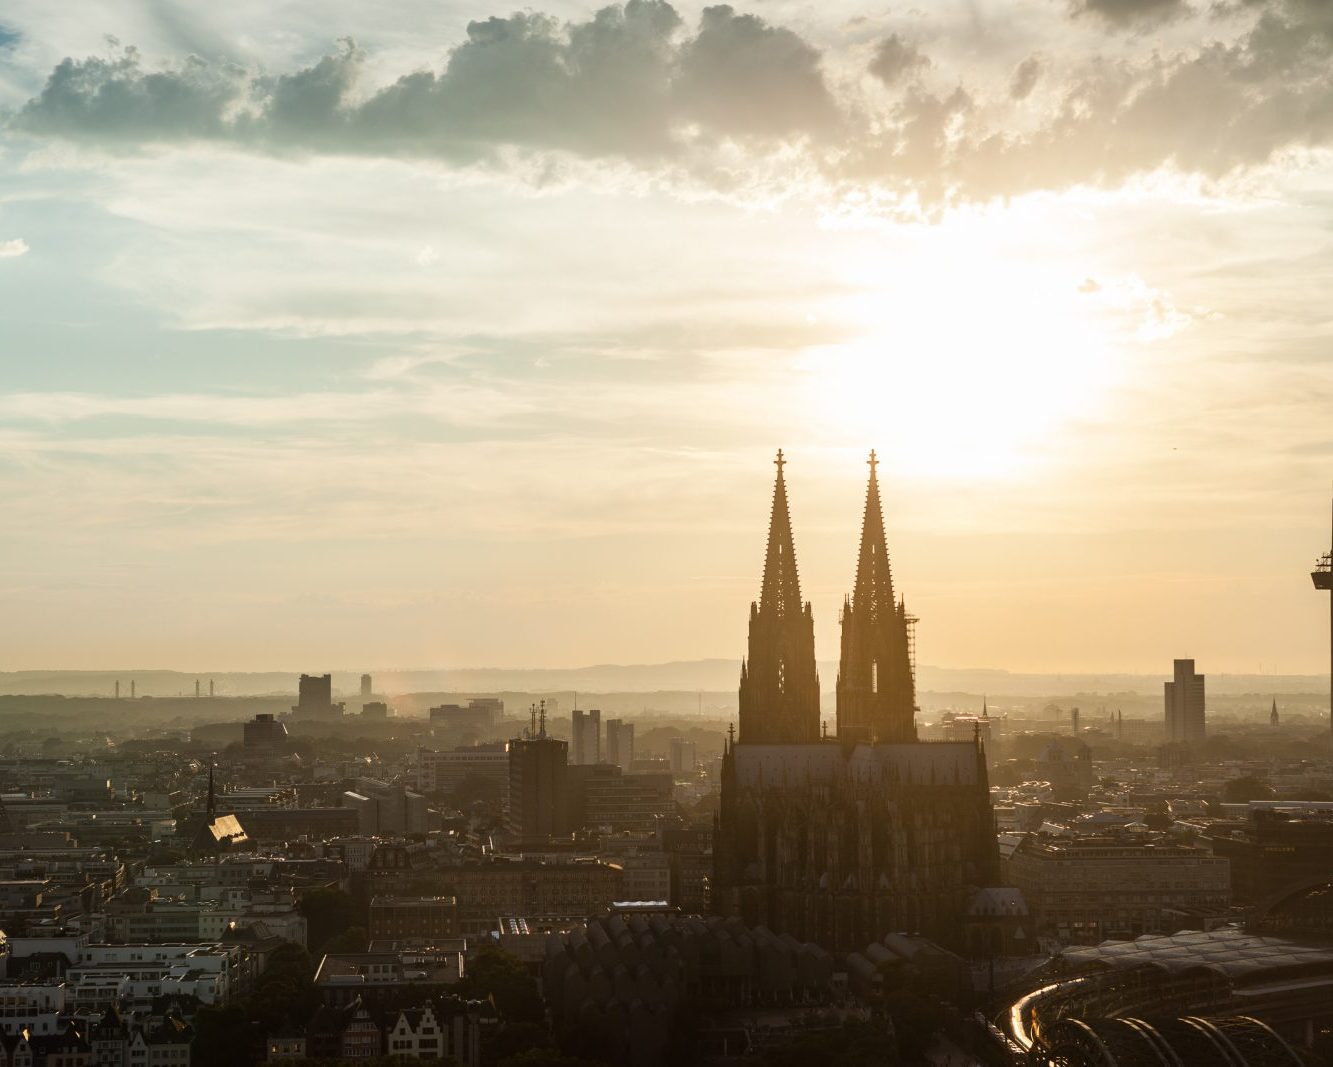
column 428, row 334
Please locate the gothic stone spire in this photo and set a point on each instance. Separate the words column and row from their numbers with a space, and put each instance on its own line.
column 779, row 693
column 876, row 691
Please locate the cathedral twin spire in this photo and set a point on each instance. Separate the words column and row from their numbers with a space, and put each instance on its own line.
column 779, row 692
column 779, row 695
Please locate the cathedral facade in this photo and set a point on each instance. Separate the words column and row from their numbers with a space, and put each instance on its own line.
column 841, row 840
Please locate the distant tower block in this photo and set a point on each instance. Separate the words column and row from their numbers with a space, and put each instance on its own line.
column 366, row 687
column 1322, row 576
column 117, row 688
column 196, row 689
column 134, row 689
column 210, row 689
column 1073, row 721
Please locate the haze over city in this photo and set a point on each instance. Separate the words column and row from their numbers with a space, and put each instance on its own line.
column 431, row 335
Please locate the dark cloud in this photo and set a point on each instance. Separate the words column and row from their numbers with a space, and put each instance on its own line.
column 1122, row 13
column 8, row 37
column 895, row 59
column 625, row 82
column 633, row 83
column 115, row 99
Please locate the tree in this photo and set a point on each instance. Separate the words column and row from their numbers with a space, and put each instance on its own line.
column 353, row 939
column 1157, row 816
column 223, row 1037
column 477, row 789
column 916, row 1021
column 285, row 991
column 328, row 912
column 1246, row 788
column 499, row 975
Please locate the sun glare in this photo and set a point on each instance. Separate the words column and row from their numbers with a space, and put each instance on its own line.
column 964, row 368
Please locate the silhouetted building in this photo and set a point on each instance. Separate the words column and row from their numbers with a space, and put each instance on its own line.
column 537, row 788
column 779, row 692
column 264, row 733
column 586, row 747
column 841, row 841
column 314, row 698
column 1089, row 888
column 475, row 717
column 602, row 795
column 492, row 707
column 1185, row 704
column 375, row 709
column 444, row 772
column 620, row 743
column 684, row 759
column 366, row 689
column 876, row 691
column 1282, row 847
column 428, row 919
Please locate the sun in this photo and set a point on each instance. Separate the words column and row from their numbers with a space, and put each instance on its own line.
column 961, row 363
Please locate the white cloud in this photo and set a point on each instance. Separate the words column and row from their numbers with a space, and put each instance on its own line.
column 15, row 247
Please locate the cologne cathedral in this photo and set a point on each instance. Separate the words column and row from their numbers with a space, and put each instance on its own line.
column 842, row 839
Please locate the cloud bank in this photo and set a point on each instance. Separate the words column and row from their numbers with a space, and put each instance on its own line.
column 633, row 84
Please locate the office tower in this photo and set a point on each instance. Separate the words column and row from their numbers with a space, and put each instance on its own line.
column 1185, row 704
column 683, row 758
column 620, row 743
column 537, row 789
column 587, row 739
column 314, row 699
column 876, row 690
column 366, row 689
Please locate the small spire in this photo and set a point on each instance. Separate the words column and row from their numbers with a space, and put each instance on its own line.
column 985, row 711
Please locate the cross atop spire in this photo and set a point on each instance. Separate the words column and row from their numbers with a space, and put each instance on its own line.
column 873, row 592
column 781, row 592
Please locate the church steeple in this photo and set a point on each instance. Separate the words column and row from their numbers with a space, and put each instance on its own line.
column 779, row 692
column 876, row 691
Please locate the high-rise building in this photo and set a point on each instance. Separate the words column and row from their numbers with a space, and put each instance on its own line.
column 536, row 808
column 876, row 691
column 842, row 841
column 1185, row 704
column 587, row 740
column 684, row 760
column 619, row 743
column 365, row 686
column 315, row 698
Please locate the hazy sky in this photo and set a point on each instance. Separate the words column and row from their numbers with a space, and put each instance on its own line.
column 432, row 334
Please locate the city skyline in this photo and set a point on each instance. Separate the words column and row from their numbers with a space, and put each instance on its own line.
column 295, row 387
